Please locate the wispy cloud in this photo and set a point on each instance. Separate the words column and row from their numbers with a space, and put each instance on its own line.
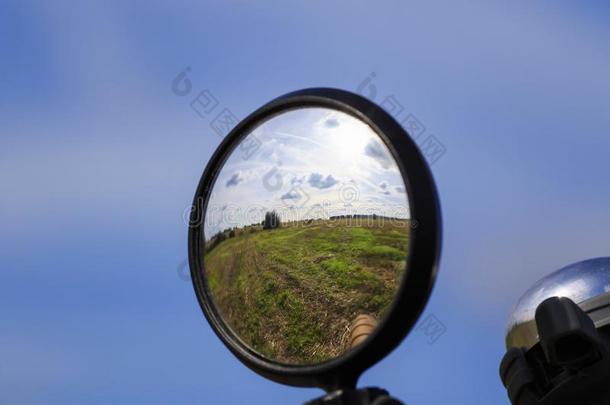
column 297, row 180
column 235, row 179
column 384, row 186
column 331, row 123
column 375, row 150
column 291, row 195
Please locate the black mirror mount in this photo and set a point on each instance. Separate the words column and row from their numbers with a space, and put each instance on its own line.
column 364, row 396
column 570, row 364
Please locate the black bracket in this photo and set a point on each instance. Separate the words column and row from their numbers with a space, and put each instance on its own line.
column 365, row 396
column 570, row 364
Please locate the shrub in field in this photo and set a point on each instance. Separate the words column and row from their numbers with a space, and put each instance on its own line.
column 272, row 220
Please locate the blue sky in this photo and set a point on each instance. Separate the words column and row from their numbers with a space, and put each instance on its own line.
column 303, row 164
column 99, row 159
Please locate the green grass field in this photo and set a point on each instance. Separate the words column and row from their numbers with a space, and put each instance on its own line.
column 291, row 293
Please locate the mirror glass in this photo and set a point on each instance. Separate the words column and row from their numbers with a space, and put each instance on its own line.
column 306, row 235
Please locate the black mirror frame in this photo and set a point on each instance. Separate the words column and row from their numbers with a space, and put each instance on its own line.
column 422, row 260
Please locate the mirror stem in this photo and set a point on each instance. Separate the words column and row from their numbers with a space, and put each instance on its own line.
column 364, row 396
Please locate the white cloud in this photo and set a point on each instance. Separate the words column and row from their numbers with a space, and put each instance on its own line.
column 375, row 150
column 317, row 180
column 331, row 123
column 235, row 179
column 291, row 195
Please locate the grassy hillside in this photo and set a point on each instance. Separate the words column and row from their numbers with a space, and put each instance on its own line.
column 291, row 293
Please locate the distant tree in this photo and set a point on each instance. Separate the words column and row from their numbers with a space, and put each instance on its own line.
column 272, row 220
column 215, row 241
column 232, row 233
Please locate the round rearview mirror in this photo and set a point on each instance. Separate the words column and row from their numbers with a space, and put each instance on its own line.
column 314, row 238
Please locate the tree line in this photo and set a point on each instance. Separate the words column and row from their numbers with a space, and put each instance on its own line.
column 272, row 221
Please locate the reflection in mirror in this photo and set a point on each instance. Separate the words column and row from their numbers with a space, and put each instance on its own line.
column 306, row 235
